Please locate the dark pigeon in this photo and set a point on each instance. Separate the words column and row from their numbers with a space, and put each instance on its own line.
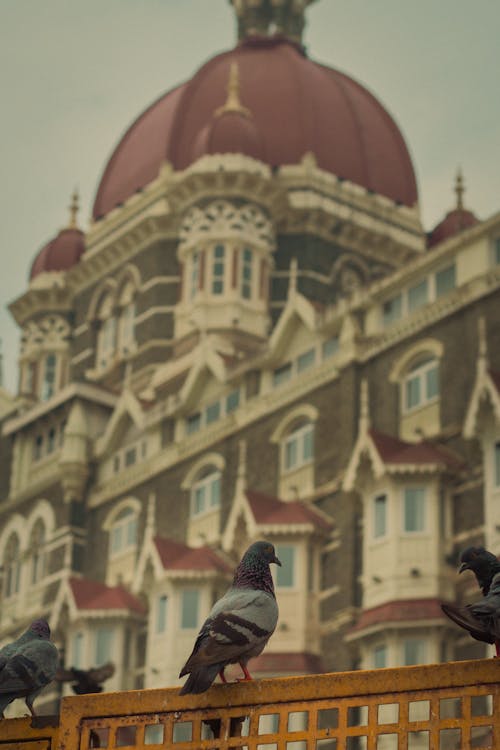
column 239, row 624
column 483, row 564
column 27, row 665
column 487, row 610
column 86, row 681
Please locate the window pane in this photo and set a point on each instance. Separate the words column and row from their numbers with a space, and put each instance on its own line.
column 497, row 464
column 194, row 275
column 131, row 532
column 116, row 538
column 285, row 576
column 307, row 443
column 380, row 516
column 215, row 492
column 413, row 392
column 305, row 360
column 414, row 509
column 413, row 651
column 103, row 646
column 218, row 270
column 290, row 453
column 77, row 656
column 198, row 505
column 189, row 609
column 161, row 617
column 432, row 384
column 130, row 456
column 392, row 310
column 49, row 377
column 379, row 657
column 417, row 295
column 330, row 347
column 193, row 423
column 445, row 280
column 212, row 413
column 232, row 401
column 282, row 374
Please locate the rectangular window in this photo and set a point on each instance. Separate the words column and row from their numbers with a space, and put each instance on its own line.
column 232, row 401
column 379, row 656
column 130, row 456
column 497, row 464
column 218, row 270
column 330, row 347
column 189, row 608
column 392, row 310
column 291, row 453
column 116, row 538
column 418, row 295
column 246, row 274
column 431, row 382
column 38, row 448
column 161, row 614
column 306, row 360
column 285, row 576
column 413, row 396
column 413, row 651
column 414, row 509
column 308, row 444
column 131, row 531
column 282, row 374
column 199, row 500
column 51, row 440
column 103, row 645
column 77, row 651
column 212, row 412
column 215, row 492
column 445, row 280
column 49, row 377
column 193, row 423
column 380, row 516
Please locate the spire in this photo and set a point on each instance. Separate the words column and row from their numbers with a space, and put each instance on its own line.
column 271, row 18
column 459, row 189
column 74, row 207
column 233, row 103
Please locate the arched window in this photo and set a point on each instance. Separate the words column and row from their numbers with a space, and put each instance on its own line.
column 49, row 377
column 37, row 550
column 297, row 448
column 123, row 532
column 126, row 332
column 421, row 382
column 206, row 492
column 12, row 567
column 106, row 342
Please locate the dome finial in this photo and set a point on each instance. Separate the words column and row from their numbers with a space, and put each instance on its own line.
column 271, row 17
column 233, row 103
column 74, row 207
column 459, row 189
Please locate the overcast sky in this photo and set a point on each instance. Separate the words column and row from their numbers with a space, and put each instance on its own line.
column 74, row 74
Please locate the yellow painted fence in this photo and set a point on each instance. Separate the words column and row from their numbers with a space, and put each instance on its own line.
column 434, row 707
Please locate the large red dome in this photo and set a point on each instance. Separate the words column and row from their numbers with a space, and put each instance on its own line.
column 61, row 253
column 296, row 106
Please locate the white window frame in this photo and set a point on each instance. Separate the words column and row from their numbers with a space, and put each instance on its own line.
column 425, row 512
column 161, row 623
column 77, row 649
column 298, row 437
column 199, row 420
column 430, row 282
column 379, row 648
column 415, row 640
column 419, row 374
column 279, row 572
column 182, row 611
column 109, row 632
column 121, row 532
column 205, row 485
column 380, row 537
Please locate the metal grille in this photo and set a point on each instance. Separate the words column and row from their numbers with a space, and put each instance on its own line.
column 436, row 707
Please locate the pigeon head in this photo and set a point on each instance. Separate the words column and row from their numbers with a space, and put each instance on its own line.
column 41, row 629
column 477, row 559
column 253, row 571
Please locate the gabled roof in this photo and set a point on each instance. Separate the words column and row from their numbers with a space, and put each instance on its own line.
column 401, row 611
column 128, row 407
column 176, row 556
column 94, row 595
column 271, row 511
column 486, row 387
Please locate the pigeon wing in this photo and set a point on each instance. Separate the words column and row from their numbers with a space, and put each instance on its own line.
column 465, row 619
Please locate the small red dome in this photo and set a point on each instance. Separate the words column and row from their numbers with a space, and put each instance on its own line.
column 296, row 105
column 61, row 253
column 453, row 223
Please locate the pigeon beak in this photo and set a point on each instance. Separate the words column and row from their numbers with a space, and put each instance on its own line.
column 464, row 566
column 275, row 560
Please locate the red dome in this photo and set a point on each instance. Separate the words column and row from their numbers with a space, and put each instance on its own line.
column 231, row 133
column 296, row 106
column 61, row 253
column 453, row 223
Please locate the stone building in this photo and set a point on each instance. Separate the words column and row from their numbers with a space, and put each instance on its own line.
column 255, row 338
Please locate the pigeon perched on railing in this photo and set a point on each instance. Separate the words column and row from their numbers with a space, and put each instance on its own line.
column 483, row 564
column 239, row 624
column 27, row 665
column 86, row 680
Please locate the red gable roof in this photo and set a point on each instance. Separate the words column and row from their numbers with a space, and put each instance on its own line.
column 267, row 509
column 395, row 451
column 178, row 556
column 405, row 610
column 495, row 376
column 290, row 662
column 95, row 595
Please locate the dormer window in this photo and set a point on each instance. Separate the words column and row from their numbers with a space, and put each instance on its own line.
column 205, row 494
column 218, row 267
column 298, row 447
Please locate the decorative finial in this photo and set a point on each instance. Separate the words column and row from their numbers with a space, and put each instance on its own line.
column 73, row 210
column 281, row 18
column 233, row 103
column 459, row 189
column 292, row 279
column 364, row 407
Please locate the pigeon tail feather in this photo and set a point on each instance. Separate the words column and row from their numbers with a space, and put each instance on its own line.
column 200, row 679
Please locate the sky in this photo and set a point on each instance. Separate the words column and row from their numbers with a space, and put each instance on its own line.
column 73, row 75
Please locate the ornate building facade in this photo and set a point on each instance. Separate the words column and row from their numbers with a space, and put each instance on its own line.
column 255, row 338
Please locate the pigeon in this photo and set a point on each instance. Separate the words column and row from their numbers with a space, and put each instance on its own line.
column 485, row 567
column 239, row 624
column 27, row 665
column 483, row 564
column 487, row 610
column 86, row 681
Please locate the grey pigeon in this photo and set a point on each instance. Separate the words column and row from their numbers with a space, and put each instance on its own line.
column 27, row 665
column 487, row 610
column 239, row 624
column 483, row 564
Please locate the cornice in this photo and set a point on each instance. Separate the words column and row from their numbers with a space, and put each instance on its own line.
column 53, row 298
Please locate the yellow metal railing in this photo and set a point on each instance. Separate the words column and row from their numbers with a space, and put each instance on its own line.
column 436, row 707
column 41, row 733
